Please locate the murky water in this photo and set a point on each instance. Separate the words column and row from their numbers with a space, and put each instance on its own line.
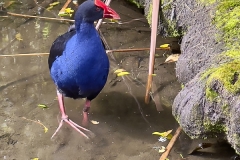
column 125, row 124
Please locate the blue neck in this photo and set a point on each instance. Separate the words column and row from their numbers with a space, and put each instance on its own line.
column 84, row 29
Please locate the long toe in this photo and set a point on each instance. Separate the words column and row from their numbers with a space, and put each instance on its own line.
column 75, row 126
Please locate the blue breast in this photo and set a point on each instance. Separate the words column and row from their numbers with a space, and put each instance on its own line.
column 81, row 70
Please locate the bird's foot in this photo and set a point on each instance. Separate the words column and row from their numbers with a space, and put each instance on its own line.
column 73, row 125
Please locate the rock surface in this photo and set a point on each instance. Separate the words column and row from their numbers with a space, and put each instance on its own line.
column 209, row 66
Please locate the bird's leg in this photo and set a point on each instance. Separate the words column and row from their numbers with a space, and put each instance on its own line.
column 85, row 113
column 66, row 119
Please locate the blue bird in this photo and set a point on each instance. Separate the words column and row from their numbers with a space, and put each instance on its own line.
column 78, row 62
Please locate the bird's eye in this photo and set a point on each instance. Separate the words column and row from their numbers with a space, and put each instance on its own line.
column 98, row 8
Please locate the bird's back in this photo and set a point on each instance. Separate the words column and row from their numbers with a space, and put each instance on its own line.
column 81, row 68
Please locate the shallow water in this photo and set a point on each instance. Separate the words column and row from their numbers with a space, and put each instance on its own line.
column 125, row 124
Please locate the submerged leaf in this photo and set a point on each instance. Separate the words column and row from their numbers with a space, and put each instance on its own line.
column 34, row 158
column 63, row 14
column 18, row 36
column 45, row 129
column 119, row 70
column 122, row 74
column 43, row 106
column 49, row 8
column 113, row 20
column 54, row 3
column 8, row 3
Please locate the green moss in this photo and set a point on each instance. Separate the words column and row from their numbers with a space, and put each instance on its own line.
column 226, row 110
column 227, row 74
column 235, row 54
column 215, row 128
column 227, row 20
column 211, row 94
column 171, row 29
column 136, row 3
column 149, row 15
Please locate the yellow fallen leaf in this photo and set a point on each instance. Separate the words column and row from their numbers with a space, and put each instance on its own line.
column 94, row 122
column 122, row 74
column 18, row 36
column 165, row 46
column 43, row 106
column 172, row 58
column 167, row 134
column 45, row 129
column 119, row 70
column 34, row 158
column 69, row 10
column 154, row 74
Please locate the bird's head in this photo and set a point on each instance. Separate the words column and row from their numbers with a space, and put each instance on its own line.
column 92, row 10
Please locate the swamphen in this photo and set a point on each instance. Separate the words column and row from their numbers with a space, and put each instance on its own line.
column 78, row 62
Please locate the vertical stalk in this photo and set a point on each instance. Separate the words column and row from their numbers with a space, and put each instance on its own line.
column 155, row 11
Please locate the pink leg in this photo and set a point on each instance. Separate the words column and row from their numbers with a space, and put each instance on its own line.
column 85, row 113
column 66, row 119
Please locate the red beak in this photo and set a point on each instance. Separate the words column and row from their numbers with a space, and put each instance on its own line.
column 108, row 12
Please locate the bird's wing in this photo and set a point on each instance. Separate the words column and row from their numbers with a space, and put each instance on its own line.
column 58, row 46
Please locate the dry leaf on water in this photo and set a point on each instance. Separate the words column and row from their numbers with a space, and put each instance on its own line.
column 172, row 58
column 119, row 70
column 122, row 74
column 162, row 149
column 167, row 134
column 94, row 122
column 165, row 46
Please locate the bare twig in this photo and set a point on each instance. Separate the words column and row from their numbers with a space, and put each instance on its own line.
column 45, row 128
column 170, row 144
column 24, row 54
column 63, row 19
column 46, row 18
column 108, row 51
column 152, row 48
column 135, row 49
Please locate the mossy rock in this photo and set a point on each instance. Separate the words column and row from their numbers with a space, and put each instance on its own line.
column 209, row 68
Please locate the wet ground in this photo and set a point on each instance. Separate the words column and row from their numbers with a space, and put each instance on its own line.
column 125, row 124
